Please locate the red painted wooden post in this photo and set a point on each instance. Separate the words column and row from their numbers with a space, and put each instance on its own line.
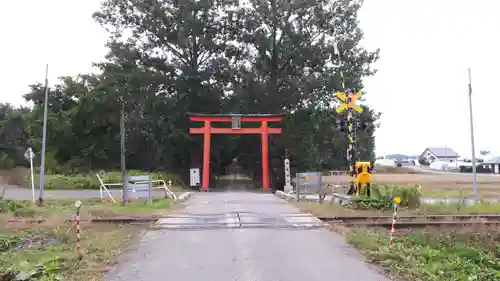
column 206, row 156
column 265, row 155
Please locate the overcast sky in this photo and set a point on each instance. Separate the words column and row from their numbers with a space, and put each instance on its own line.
column 420, row 87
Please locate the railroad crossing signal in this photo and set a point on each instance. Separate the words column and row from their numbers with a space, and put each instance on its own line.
column 349, row 101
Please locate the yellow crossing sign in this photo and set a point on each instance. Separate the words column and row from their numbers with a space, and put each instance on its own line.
column 348, row 101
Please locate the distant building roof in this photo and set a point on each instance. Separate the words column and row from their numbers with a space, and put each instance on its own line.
column 494, row 160
column 443, row 152
column 396, row 156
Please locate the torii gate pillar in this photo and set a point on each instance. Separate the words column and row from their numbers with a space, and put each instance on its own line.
column 236, row 119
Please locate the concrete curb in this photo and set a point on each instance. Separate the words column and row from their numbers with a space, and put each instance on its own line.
column 184, row 196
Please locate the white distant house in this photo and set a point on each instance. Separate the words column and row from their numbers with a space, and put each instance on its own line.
column 494, row 164
column 443, row 154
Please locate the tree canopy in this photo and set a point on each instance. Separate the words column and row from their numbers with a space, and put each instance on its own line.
column 169, row 57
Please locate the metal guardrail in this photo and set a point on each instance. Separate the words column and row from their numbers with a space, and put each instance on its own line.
column 162, row 185
column 338, row 173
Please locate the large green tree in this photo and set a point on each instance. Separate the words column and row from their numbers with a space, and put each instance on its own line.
column 13, row 137
column 292, row 68
column 168, row 58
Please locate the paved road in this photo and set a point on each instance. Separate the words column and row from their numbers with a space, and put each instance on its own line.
column 20, row 193
column 234, row 249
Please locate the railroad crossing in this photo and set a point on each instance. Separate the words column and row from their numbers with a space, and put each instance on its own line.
column 242, row 236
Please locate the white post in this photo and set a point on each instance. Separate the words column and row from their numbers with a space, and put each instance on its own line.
column 29, row 155
column 150, row 190
column 288, row 185
column 32, row 175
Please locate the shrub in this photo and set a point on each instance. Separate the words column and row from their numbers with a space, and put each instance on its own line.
column 70, row 181
column 13, row 205
column 90, row 181
column 381, row 197
column 6, row 162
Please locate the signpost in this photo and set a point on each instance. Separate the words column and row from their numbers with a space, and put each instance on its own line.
column 29, row 155
column 194, row 176
column 308, row 183
column 288, row 182
column 236, row 122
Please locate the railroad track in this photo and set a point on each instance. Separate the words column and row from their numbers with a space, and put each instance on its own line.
column 414, row 220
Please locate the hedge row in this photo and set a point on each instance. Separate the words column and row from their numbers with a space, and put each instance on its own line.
column 90, row 181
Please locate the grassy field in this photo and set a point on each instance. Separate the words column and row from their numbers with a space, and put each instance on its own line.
column 443, row 253
column 439, row 185
column 329, row 210
column 46, row 251
column 433, row 254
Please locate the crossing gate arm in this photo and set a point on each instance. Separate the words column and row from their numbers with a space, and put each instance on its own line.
column 103, row 186
column 166, row 189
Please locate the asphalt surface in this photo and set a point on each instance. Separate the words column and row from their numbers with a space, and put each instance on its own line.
column 276, row 247
column 20, row 193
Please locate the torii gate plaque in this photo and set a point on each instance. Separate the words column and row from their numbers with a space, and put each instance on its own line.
column 236, row 121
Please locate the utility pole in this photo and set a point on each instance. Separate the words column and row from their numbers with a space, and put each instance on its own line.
column 122, row 152
column 474, row 174
column 44, row 136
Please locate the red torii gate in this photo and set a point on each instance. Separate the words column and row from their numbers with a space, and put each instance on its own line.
column 236, row 120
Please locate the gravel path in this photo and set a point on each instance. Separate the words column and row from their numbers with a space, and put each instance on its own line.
column 244, row 253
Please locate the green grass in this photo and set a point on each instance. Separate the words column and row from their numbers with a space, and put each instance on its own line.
column 53, row 256
column 327, row 210
column 89, row 208
column 434, row 255
column 48, row 248
column 459, row 208
column 444, row 193
column 135, row 207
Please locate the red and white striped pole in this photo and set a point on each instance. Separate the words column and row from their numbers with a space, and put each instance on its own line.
column 397, row 201
column 78, row 204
